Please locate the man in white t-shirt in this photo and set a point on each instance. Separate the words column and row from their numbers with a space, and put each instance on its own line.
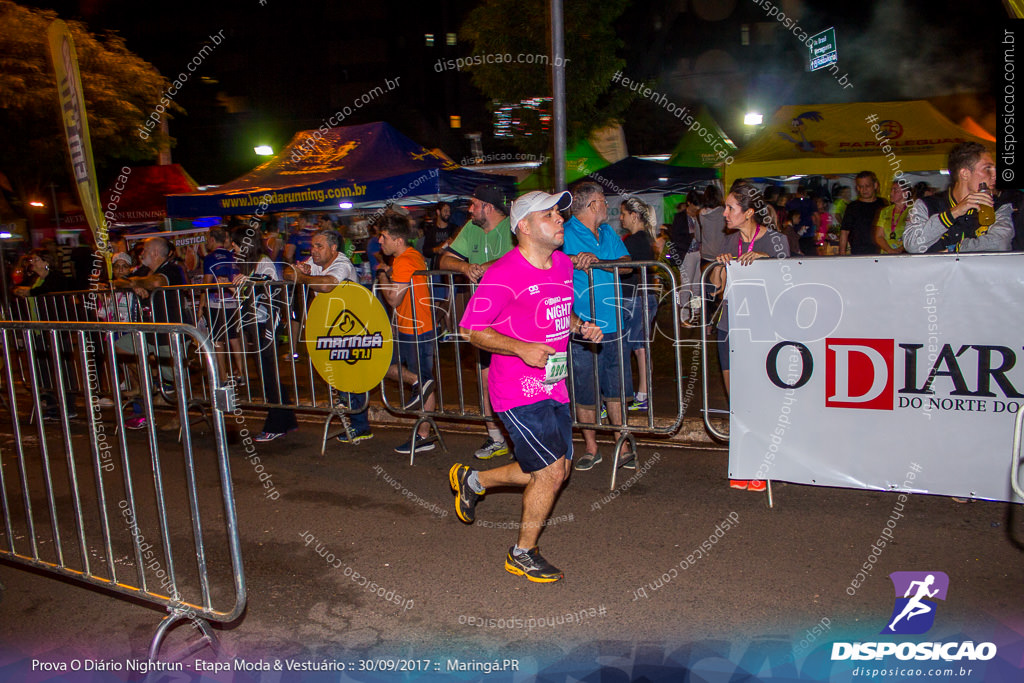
column 327, row 265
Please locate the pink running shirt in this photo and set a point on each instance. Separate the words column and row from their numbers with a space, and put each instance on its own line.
column 529, row 304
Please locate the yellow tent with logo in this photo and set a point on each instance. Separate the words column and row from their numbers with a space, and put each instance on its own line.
column 831, row 139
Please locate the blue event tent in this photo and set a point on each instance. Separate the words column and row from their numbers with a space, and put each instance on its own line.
column 367, row 165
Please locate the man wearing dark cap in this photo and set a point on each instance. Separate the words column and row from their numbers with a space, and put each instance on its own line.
column 485, row 239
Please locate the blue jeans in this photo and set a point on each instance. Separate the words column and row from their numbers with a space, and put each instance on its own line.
column 608, row 371
column 360, row 420
column 633, row 320
column 415, row 352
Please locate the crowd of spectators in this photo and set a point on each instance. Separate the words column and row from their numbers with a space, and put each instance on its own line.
column 385, row 249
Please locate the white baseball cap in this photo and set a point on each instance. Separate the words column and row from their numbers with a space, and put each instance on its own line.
column 537, row 201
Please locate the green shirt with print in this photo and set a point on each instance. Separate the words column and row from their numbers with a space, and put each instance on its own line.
column 478, row 247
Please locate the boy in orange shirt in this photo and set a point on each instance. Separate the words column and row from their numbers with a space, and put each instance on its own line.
column 413, row 360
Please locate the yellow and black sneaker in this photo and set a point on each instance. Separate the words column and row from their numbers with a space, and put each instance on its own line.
column 465, row 497
column 531, row 565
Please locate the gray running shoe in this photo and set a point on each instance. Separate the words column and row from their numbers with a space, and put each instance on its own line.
column 531, row 565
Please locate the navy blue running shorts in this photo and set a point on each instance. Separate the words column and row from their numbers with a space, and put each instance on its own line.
column 541, row 433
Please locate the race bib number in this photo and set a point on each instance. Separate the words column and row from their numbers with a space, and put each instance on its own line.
column 557, row 368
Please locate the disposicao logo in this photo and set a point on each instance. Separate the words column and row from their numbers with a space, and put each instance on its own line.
column 913, row 613
column 916, row 592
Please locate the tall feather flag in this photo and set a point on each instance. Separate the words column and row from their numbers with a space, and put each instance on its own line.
column 76, row 128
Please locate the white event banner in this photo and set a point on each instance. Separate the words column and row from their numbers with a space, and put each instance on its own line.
column 885, row 373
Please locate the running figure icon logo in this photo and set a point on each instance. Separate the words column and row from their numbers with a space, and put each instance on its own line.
column 914, row 608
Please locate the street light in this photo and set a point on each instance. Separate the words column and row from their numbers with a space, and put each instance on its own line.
column 264, row 151
column 37, row 204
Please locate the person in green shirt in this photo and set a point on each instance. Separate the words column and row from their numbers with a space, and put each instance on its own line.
column 841, row 194
column 486, row 238
column 892, row 220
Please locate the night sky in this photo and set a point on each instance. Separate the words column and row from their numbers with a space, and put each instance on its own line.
column 285, row 66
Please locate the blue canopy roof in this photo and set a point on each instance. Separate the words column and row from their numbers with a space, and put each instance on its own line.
column 367, row 165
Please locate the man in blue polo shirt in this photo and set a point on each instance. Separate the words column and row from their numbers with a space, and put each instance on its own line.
column 588, row 239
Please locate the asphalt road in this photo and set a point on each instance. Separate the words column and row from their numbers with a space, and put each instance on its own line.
column 768, row 593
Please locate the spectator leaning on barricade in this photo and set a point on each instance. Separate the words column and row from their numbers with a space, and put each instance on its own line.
column 589, row 239
column 753, row 221
column 413, row 359
column 165, row 307
column 49, row 280
column 326, row 266
column 122, row 306
column 297, row 248
column 325, row 269
column 858, row 227
column 260, row 308
column 219, row 269
column 522, row 313
column 640, row 221
column 481, row 242
column 949, row 221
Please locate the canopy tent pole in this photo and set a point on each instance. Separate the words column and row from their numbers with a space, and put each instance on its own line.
column 558, row 92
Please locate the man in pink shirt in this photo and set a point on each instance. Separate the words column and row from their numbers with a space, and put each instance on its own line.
column 522, row 313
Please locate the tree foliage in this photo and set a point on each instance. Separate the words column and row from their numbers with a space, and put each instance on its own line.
column 593, row 100
column 121, row 89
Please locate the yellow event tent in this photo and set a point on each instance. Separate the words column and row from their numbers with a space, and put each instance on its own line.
column 831, row 139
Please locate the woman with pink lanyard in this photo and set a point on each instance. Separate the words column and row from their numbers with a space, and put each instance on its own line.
column 753, row 235
column 892, row 221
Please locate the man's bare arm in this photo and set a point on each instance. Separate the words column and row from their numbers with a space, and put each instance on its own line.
column 451, row 262
column 393, row 291
column 533, row 354
column 150, row 282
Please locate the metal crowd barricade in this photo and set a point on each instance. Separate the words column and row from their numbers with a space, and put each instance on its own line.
column 645, row 285
column 454, row 404
column 1015, row 459
column 707, row 411
column 264, row 377
column 442, row 340
column 268, row 372
column 84, row 500
column 62, row 307
column 265, row 373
